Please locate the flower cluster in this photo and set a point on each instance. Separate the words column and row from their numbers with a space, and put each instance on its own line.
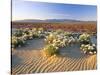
column 89, row 48
column 20, row 37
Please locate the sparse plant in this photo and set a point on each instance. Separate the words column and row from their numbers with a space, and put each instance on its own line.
column 89, row 48
column 84, row 38
column 20, row 42
column 14, row 42
column 50, row 50
column 18, row 33
column 17, row 42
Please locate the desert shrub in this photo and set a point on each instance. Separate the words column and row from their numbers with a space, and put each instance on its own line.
column 35, row 35
column 26, row 31
column 60, row 40
column 59, row 31
column 17, row 41
column 14, row 42
column 89, row 48
column 68, row 34
column 49, row 39
column 25, row 37
column 34, row 29
column 20, row 37
column 50, row 50
column 84, row 38
column 20, row 42
column 18, row 33
column 40, row 30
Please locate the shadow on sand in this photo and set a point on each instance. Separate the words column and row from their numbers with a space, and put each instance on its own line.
column 35, row 44
column 71, row 51
column 15, row 60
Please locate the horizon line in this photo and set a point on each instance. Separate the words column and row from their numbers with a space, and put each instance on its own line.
column 52, row 19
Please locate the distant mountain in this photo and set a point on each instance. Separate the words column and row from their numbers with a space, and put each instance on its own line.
column 61, row 20
column 48, row 20
column 28, row 20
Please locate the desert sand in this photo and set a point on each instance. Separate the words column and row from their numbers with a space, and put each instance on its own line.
column 31, row 59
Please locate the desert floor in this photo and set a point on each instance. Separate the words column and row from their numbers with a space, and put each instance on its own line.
column 30, row 59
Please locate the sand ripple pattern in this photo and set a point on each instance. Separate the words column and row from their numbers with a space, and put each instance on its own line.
column 34, row 62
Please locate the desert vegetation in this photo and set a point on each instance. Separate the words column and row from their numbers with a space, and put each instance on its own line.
column 54, row 39
column 70, row 26
column 20, row 37
column 75, row 41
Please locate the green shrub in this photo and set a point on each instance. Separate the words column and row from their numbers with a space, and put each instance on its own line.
column 20, row 42
column 14, row 42
column 68, row 34
column 59, row 31
column 17, row 42
column 26, row 31
column 40, row 30
column 49, row 39
column 84, row 38
column 50, row 50
column 18, row 33
column 88, row 49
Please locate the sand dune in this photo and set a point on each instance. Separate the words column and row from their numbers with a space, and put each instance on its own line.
column 33, row 61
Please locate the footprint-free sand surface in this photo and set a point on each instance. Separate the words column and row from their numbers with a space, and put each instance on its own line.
column 30, row 59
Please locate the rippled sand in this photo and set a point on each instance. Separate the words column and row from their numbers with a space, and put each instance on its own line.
column 33, row 61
